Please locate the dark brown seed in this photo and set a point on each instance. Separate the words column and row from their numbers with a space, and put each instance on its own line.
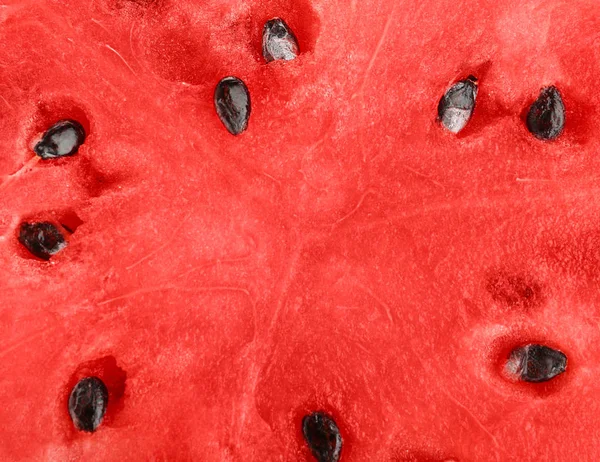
column 322, row 436
column 536, row 363
column 546, row 117
column 42, row 239
column 278, row 41
column 232, row 103
column 62, row 139
column 457, row 105
column 87, row 403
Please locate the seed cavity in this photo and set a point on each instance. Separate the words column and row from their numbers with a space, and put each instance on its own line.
column 457, row 105
column 278, row 41
column 322, row 436
column 514, row 290
column 232, row 103
column 87, row 403
column 546, row 117
column 42, row 239
column 536, row 363
column 62, row 139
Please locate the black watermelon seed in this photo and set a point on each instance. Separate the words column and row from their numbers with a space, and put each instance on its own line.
column 322, row 436
column 62, row 139
column 42, row 239
column 278, row 41
column 232, row 102
column 536, row 363
column 457, row 105
column 546, row 117
column 87, row 403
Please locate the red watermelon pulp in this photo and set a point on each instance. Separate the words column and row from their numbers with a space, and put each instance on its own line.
column 345, row 254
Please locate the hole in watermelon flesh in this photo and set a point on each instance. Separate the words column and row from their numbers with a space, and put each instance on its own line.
column 87, row 404
column 42, row 239
column 279, row 41
column 55, row 109
column 107, row 370
column 489, row 347
column 93, row 175
column 62, row 139
column 70, row 221
column 514, row 290
column 536, row 363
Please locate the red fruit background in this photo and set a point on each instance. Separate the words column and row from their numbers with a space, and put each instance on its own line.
column 344, row 254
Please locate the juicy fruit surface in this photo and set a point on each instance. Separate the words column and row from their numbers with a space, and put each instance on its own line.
column 343, row 254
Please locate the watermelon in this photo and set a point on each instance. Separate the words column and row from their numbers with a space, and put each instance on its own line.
column 373, row 237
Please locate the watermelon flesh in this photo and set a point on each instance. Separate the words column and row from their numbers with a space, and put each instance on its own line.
column 345, row 254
